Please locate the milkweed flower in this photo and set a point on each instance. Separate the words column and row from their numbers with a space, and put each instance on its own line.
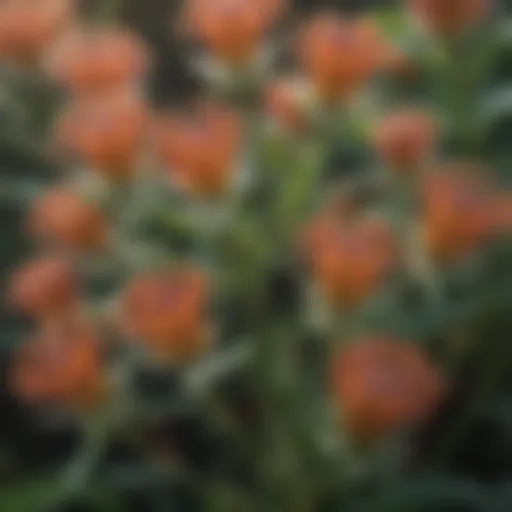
column 45, row 287
column 166, row 311
column 458, row 211
column 106, row 132
column 200, row 148
column 28, row 27
column 350, row 257
column 62, row 366
column 232, row 30
column 96, row 60
column 381, row 384
column 405, row 139
column 450, row 18
column 65, row 219
column 340, row 55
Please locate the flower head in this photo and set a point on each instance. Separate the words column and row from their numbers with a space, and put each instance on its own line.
column 105, row 132
column 92, row 61
column 350, row 257
column 29, row 27
column 458, row 211
column 167, row 311
column 340, row 55
column 62, row 217
column 231, row 29
column 62, row 365
column 44, row 287
column 200, row 148
column 383, row 384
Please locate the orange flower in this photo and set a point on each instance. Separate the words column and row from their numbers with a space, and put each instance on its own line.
column 405, row 139
column 350, row 257
column 450, row 17
column 284, row 105
column 62, row 366
column 28, row 27
column 231, row 29
column 63, row 217
column 167, row 312
column 340, row 55
column 200, row 149
column 92, row 61
column 458, row 211
column 383, row 384
column 106, row 132
column 44, row 287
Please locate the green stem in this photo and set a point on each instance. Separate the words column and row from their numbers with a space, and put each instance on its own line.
column 78, row 474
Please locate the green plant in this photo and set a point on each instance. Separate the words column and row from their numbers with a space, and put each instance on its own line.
column 300, row 268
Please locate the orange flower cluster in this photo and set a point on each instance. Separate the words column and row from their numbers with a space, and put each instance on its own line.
column 459, row 211
column 105, row 123
column 200, row 148
column 167, row 311
column 27, row 28
column 384, row 384
column 379, row 384
column 350, row 257
column 96, row 60
column 62, row 365
column 93, row 65
column 107, row 131
column 340, row 55
column 232, row 30
column 45, row 287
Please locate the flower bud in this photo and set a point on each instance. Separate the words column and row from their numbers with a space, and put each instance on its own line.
column 383, row 384
column 92, row 61
column 340, row 55
column 28, row 27
column 62, row 366
column 44, row 287
column 201, row 148
column 62, row 217
column 350, row 258
column 105, row 132
column 167, row 312
column 405, row 139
